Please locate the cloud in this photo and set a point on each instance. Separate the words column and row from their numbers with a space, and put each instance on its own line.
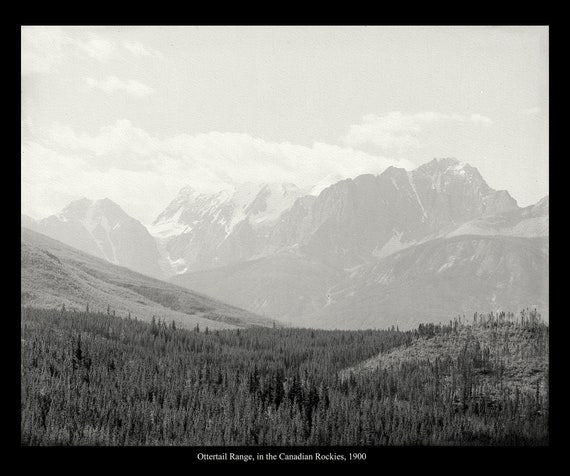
column 44, row 47
column 113, row 84
column 136, row 48
column 51, row 179
column 143, row 172
column 97, row 47
column 398, row 131
column 120, row 139
column 103, row 49
column 478, row 118
column 41, row 49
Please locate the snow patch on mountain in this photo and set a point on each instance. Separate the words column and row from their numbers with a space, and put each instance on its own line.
column 179, row 265
column 93, row 219
column 278, row 198
column 203, row 227
column 413, row 185
column 168, row 227
column 393, row 245
column 448, row 264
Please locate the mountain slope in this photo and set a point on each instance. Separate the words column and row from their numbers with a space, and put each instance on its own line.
column 529, row 222
column 442, row 277
column 54, row 274
column 422, row 283
column 101, row 228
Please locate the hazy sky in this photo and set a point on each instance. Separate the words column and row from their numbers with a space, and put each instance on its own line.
column 136, row 113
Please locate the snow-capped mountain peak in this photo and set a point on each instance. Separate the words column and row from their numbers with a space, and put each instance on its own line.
column 258, row 202
column 207, row 222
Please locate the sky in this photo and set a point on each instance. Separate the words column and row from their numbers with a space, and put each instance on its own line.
column 136, row 113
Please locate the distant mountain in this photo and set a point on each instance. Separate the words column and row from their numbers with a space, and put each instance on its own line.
column 54, row 274
column 200, row 231
column 101, row 228
column 397, row 248
column 358, row 219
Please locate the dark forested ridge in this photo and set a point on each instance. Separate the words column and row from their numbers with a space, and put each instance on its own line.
column 95, row 379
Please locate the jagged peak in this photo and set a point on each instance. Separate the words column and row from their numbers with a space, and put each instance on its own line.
column 451, row 167
column 187, row 190
column 79, row 202
column 76, row 207
column 440, row 164
column 364, row 177
column 108, row 206
column 393, row 170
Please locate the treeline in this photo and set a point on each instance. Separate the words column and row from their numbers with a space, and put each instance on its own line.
column 95, row 379
column 527, row 319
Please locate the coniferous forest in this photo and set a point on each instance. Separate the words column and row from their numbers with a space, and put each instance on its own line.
column 90, row 378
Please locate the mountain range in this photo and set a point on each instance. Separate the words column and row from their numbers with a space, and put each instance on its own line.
column 373, row 251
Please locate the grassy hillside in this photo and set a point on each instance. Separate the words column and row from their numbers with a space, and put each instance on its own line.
column 54, row 274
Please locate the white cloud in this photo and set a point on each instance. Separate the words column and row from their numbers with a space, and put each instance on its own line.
column 143, row 173
column 399, row 131
column 51, row 179
column 41, row 49
column 97, row 47
column 478, row 118
column 103, row 49
column 136, row 48
column 113, row 84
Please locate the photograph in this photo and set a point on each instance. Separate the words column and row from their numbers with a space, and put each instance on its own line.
column 284, row 243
